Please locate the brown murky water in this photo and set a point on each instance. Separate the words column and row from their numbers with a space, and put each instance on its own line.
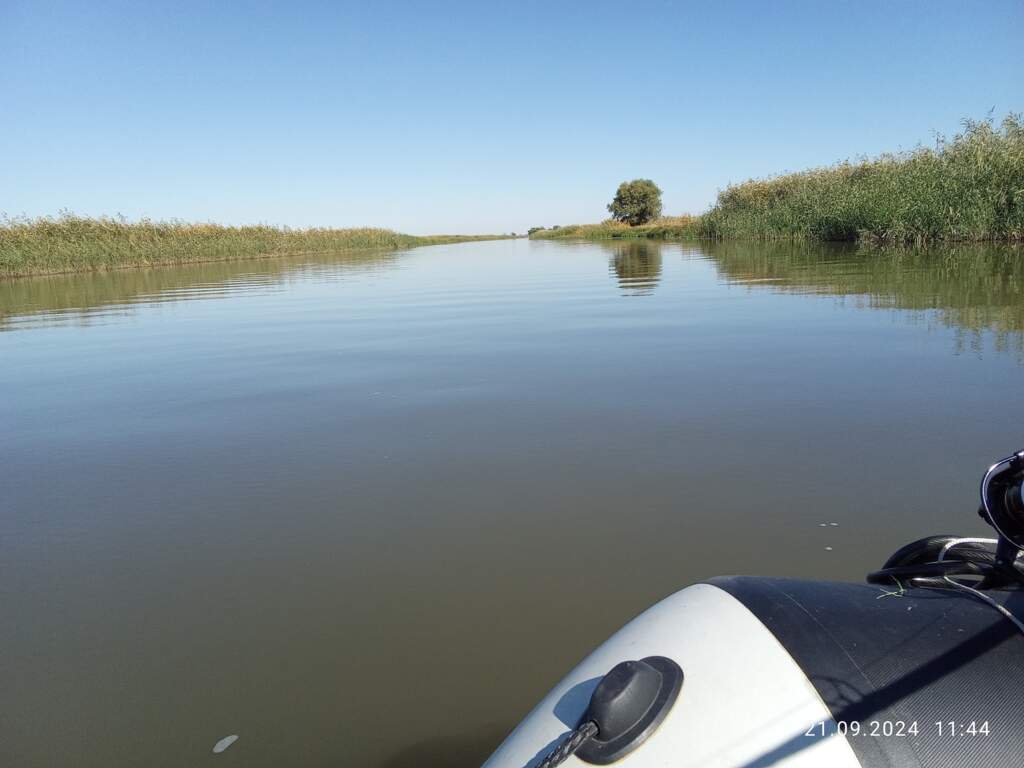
column 364, row 510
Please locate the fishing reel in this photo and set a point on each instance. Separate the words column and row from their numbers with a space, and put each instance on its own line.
column 933, row 561
column 1002, row 506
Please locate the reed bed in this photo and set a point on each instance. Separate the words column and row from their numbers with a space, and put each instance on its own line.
column 70, row 243
column 967, row 188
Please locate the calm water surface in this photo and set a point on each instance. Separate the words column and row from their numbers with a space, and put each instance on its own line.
column 365, row 510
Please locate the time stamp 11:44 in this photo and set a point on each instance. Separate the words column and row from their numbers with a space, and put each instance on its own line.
column 897, row 728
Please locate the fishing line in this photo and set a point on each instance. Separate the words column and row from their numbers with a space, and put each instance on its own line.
column 971, row 590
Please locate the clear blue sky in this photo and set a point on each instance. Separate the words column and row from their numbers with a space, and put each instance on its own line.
column 469, row 117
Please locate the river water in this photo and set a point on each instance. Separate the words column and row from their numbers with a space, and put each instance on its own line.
column 365, row 509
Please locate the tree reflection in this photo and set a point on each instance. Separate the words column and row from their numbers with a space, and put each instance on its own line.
column 637, row 265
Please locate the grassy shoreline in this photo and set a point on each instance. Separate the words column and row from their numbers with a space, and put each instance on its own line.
column 666, row 228
column 968, row 188
column 69, row 243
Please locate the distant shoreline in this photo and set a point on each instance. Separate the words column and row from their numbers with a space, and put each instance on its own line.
column 675, row 228
column 70, row 244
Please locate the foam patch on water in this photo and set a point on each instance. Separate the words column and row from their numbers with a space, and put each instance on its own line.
column 224, row 743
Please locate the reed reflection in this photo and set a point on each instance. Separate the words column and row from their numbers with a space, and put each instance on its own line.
column 976, row 290
column 89, row 298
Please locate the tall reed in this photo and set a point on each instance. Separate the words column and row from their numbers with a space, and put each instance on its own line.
column 968, row 187
column 70, row 243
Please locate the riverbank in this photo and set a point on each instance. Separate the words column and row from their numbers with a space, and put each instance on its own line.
column 968, row 188
column 72, row 243
column 667, row 228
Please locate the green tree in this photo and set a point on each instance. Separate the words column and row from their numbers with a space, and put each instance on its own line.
column 636, row 202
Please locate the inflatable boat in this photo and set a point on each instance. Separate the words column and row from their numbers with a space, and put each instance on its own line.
column 922, row 666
